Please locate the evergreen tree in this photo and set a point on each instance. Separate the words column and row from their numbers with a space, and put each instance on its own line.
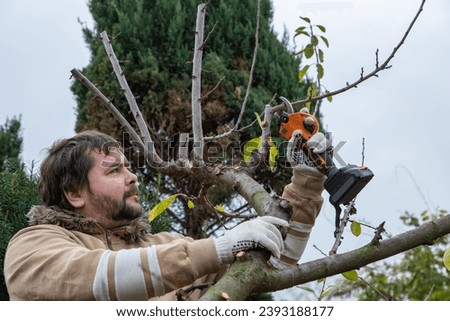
column 18, row 190
column 10, row 141
column 154, row 41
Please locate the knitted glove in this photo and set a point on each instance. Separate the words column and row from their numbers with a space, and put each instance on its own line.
column 259, row 232
column 298, row 159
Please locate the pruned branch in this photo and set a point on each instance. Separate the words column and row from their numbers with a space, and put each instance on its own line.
column 150, row 154
column 145, row 133
column 197, row 84
column 107, row 102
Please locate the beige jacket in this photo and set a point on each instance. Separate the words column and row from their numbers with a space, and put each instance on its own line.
column 66, row 256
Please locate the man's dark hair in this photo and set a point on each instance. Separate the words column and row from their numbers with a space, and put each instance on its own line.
column 67, row 165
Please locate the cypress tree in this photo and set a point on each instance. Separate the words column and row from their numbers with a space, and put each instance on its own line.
column 154, row 41
column 18, row 190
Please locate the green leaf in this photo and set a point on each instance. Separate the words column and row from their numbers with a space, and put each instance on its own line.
column 273, row 152
column 320, row 71
column 302, row 72
column 355, row 227
column 329, row 98
column 325, row 40
column 302, row 33
column 322, row 28
column 311, row 92
column 220, row 208
column 305, row 288
column 321, row 56
column 306, row 19
column 161, row 207
column 249, row 147
column 447, row 258
column 314, row 41
column 351, row 275
column 325, row 293
column 309, row 51
column 190, row 204
column 259, row 119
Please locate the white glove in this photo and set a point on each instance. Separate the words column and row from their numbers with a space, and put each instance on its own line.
column 258, row 232
column 297, row 158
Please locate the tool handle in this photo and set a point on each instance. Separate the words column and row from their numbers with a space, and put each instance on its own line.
column 323, row 161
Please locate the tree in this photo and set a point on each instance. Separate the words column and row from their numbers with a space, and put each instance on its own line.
column 18, row 191
column 10, row 142
column 251, row 274
column 154, row 41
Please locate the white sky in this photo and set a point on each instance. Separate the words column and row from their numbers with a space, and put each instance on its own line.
column 403, row 115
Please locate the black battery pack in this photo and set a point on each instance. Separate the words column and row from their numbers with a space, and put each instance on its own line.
column 345, row 183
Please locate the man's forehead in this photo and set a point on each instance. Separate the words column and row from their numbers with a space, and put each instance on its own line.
column 113, row 158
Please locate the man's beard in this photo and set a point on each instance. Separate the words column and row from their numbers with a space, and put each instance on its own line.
column 119, row 210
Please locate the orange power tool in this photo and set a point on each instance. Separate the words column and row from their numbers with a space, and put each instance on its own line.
column 342, row 184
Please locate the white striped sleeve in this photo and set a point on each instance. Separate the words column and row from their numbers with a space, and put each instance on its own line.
column 100, row 285
column 128, row 275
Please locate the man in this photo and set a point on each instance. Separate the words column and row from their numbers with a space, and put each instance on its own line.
column 91, row 240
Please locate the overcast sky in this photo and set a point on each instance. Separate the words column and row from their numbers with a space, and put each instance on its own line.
column 402, row 115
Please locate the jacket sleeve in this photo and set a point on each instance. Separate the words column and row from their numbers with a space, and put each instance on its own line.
column 304, row 193
column 144, row 273
column 47, row 262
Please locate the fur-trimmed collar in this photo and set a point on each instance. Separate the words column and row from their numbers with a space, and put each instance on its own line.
column 70, row 220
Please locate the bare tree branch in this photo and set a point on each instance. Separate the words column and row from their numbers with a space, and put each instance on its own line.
column 196, row 85
column 145, row 133
column 108, row 103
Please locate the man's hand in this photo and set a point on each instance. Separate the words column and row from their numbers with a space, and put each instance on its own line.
column 259, row 232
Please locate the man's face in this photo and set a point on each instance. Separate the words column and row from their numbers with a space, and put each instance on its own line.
column 113, row 195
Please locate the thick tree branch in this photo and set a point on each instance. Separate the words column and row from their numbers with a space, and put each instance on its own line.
column 254, row 276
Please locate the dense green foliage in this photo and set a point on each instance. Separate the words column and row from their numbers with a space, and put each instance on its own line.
column 10, row 142
column 418, row 274
column 18, row 190
column 154, row 41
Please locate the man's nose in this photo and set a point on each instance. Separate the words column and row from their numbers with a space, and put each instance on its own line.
column 131, row 178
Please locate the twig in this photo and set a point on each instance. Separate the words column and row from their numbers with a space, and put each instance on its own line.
column 363, row 151
column 183, row 293
column 377, row 237
column 108, row 103
column 212, row 90
column 385, row 65
column 249, row 83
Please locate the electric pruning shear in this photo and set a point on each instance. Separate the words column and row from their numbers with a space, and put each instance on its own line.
column 343, row 184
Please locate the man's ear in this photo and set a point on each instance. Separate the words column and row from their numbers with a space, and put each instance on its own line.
column 75, row 198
